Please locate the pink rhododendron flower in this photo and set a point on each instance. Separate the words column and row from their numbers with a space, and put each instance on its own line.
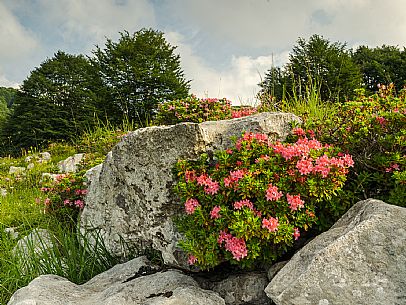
column 305, row 165
column 234, row 245
column 47, row 201
column 79, row 203
column 210, row 187
column 192, row 260
column 215, row 212
column 271, row 224
column 296, row 233
column 348, row 161
column 190, row 205
column 237, row 175
column 299, row 132
column 243, row 203
column 66, row 202
column 381, row 120
column 272, row 193
column 294, row 202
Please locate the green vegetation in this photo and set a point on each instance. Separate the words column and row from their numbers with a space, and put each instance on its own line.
column 32, row 201
column 139, row 72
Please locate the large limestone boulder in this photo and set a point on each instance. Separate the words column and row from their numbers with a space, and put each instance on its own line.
column 131, row 200
column 360, row 260
column 132, row 283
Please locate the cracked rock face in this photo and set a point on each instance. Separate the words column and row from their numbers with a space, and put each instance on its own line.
column 124, row 284
column 360, row 260
column 131, row 200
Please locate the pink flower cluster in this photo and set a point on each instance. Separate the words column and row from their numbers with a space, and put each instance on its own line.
column 233, row 244
column 190, row 176
column 300, row 148
column 192, row 260
column 210, row 187
column 243, row 203
column 190, row 205
column 215, row 212
column 271, row 224
column 77, row 203
column 272, row 193
column 393, row 167
column 243, row 112
column 81, row 192
column 234, row 177
column 296, row 233
column 294, row 202
column 249, row 137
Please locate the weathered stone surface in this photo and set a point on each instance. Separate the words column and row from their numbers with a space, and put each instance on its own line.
column 243, row 288
column 124, row 284
column 360, row 260
column 275, row 268
column 39, row 243
column 70, row 164
column 133, row 199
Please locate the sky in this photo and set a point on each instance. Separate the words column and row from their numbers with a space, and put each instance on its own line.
column 226, row 46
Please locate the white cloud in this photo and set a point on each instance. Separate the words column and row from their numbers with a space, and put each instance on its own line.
column 4, row 82
column 239, row 82
column 16, row 41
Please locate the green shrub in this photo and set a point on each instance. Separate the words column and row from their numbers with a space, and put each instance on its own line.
column 373, row 130
column 252, row 201
column 193, row 109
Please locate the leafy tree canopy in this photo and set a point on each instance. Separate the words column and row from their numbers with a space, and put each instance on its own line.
column 381, row 65
column 57, row 101
column 140, row 71
column 315, row 63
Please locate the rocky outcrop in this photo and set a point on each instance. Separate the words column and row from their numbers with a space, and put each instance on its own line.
column 360, row 260
column 135, row 282
column 131, row 199
column 70, row 164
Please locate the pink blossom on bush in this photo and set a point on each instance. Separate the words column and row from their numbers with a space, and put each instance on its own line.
column 66, row 202
column 299, row 132
column 296, row 233
column 243, row 203
column 190, row 205
column 234, row 245
column 305, row 165
column 210, row 187
column 190, row 176
column 271, row 224
column 272, row 193
column 192, row 260
column 215, row 212
column 294, row 202
column 79, row 203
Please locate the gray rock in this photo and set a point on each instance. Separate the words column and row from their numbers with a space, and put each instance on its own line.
column 93, row 174
column 275, row 268
column 360, row 260
column 12, row 232
column 30, row 166
column 133, row 202
column 70, row 164
column 243, row 288
column 16, row 170
column 44, row 157
column 3, row 192
column 123, row 284
column 38, row 243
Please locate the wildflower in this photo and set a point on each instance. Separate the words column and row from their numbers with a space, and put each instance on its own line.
column 79, row 203
column 190, row 176
column 234, row 245
column 272, row 193
column 47, row 201
column 215, row 212
column 271, row 224
column 296, row 233
column 295, row 202
column 305, row 165
column 239, row 204
column 299, row 132
column 192, row 260
column 66, row 202
column 190, row 205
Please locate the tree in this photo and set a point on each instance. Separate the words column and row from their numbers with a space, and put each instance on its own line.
column 322, row 64
column 57, row 101
column 8, row 95
column 381, row 65
column 140, row 71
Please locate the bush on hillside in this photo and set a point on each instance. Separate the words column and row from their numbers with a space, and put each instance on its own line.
column 197, row 110
column 252, row 201
column 373, row 130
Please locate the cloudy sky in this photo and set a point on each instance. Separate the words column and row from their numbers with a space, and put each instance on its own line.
column 226, row 46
